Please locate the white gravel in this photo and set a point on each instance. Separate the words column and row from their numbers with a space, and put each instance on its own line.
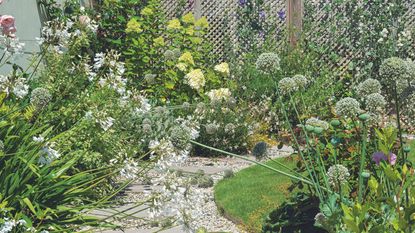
column 211, row 219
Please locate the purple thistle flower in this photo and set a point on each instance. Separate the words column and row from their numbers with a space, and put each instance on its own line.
column 281, row 15
column 242, row 2
column 379, row 156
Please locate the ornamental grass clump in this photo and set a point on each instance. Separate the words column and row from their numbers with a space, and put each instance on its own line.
column 260, row 150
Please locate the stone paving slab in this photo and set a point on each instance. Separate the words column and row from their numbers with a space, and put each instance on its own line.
column 209, row 170
column 123, row 211
column 177, row 229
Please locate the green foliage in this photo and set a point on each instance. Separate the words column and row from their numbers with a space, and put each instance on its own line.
column 36, row 187
column 374, row 30
column 296, row 215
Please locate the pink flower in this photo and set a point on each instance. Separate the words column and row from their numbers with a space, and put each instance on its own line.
column 380, row 156
column 7, row 21
column 84, row 20
column 392, row 158
column 1, row 2
column 9, row 31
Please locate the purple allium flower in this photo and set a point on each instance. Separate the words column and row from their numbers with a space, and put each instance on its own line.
column 262, row 15
column 281, row 15
column 379, row 156
column 242, row 2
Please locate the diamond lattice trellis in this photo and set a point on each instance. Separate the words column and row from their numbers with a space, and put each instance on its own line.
column 223, row 19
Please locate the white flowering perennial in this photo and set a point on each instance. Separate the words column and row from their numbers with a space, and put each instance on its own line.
column 12, row 47
column 178, row 200
column 301, row 81
column 337, row 175
column 218, row 95
column 11, row 225
column 348, row 107
column 223, row 68
column 375, row 102
column 287, row 86
column 317, row 123
column 268, row 62
column 15, row 85
column 60, row 34
column 196, row 79
column 367, row 87
column 112, row 69
column 130, row 169
column 48, row 155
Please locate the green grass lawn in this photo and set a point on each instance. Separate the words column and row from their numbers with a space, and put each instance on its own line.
column 252, row 194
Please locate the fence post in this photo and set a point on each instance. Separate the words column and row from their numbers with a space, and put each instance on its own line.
column 295, row 12
column 197, row 9
column 88, row 3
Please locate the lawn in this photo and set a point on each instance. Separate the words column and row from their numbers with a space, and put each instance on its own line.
column 249, row 196
column 252, row 194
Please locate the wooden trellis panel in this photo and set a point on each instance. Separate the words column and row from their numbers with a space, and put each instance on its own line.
column 223, row 19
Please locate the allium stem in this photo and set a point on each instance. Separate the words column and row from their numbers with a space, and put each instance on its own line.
column 256, row 162
column 362, row 163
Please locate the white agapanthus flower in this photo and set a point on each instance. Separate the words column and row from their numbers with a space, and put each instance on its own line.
column 106, row 123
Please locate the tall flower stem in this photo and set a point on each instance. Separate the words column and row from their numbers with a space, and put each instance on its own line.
column 256, row 162
column 362, row 162
column 311, row 173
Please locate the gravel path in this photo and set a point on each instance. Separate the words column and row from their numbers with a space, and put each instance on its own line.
column 211, row 219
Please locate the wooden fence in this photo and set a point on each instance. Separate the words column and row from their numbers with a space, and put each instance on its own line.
column 221, row 15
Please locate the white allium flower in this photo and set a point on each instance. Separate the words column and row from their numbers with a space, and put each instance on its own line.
column 268, row 62
column 218, row 95
column 317, row 123
column 301, row 80
column 337, row 174
column 196, row 79
column 211, row 128
column 375, row 102
column 348, row 107
column 169, row 55
column 392, row 70
column 367, row 87
column 287, row 86
column 40, row 97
